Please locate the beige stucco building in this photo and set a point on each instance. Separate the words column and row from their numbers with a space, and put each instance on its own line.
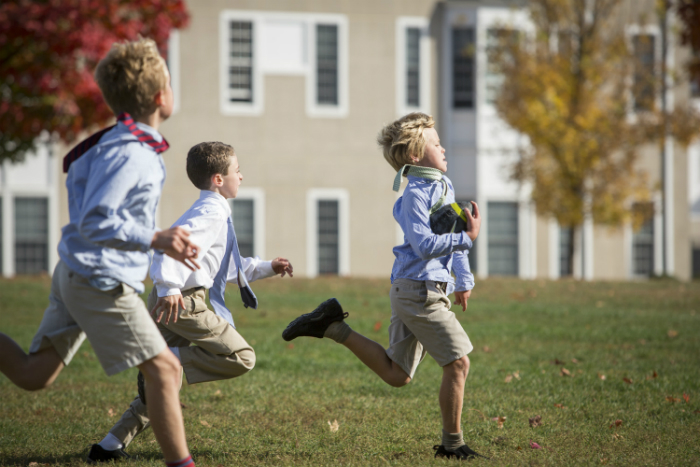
column 301, row 88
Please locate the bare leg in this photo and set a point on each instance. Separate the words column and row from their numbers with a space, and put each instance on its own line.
column 374, row 356
column 454, row 376
column 31, row 372
column 162, row 375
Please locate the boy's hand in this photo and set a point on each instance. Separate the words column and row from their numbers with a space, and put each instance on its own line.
column 167, row 305
column 473, row 224
column 461, row 297
column 282, row 266
column 175, row 243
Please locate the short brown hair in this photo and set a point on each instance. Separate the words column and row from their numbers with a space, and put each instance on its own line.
column 130, row 75
column 404, row 138
column 205, row 160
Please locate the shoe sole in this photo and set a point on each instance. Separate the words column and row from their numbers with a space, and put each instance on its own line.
column 289, row 335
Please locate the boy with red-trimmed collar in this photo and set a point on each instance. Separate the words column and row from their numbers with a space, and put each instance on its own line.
column 114, row 183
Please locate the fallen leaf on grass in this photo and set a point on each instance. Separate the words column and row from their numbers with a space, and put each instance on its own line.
column 534, row 445
column 617, row 436
column 653, row 375
column 110, row 412
column 672, row 333
column 672, row 399
column 573, row 360
column 697, row 411
column 565, row 372
column 377, row 326
column 560, row 406
column 517, row 374
column 627, row 380
column 218, row 392
column 556, row 361
column 205, row 423
column 508, row 379
column 686, row 398
column 499, row 420
column 486, row 349
column 601, row 376
column 518, row 448
column 290, row 346
column 536, row 421
column 616, row 424
column 333, row 426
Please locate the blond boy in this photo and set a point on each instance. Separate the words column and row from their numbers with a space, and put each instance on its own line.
column 114, row 183
column 421, row 320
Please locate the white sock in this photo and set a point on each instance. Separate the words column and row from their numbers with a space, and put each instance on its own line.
column 111, row 443
column 176, row 351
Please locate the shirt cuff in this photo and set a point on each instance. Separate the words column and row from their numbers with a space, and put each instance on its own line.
column 166, row 291
column 464, row 284
column 465, row 241
column 265, row 269
column 143, row 236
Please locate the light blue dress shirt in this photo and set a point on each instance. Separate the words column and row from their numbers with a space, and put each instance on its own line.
column 113, row 192
column 425, row 255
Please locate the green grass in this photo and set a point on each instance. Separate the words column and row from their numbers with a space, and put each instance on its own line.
column 278, row 414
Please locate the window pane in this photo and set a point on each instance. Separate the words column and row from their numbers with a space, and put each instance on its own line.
column 327, row 64
column 328, row 237
column 463, row 67
column 31, row 235
column 244, row 223
column 643, row 246
column 241, row 61
column 644, row 76
column 696, row 262
column 413, row 67
column 566, row 251
column 503, row 238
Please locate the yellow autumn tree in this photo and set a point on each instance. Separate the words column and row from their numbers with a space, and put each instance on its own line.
column 572, row 86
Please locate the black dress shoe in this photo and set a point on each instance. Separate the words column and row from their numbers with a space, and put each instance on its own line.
column 99, row 454
column 314, row 324
column 463, row 453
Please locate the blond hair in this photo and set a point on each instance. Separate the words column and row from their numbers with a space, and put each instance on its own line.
column 204, row 160
column 404, row 138
column 130, row 75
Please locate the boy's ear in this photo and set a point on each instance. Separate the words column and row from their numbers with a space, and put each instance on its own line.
column 217, row 180
column 159, row 98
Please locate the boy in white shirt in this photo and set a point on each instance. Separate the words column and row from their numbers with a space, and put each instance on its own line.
column 177, row 300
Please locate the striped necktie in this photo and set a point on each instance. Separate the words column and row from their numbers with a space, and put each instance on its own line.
column 216, row 293
column 83, row 147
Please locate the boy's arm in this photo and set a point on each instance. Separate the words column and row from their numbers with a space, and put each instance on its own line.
column 253, row 268
column 416, row 226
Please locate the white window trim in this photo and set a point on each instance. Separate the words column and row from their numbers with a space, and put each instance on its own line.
column 402, row 24
column 258, row 197
column 313, row 109
column 227, row 107
column 308, row 70
column 628, row 239
column 554, row 249
column 174, row 67
column 313, row 196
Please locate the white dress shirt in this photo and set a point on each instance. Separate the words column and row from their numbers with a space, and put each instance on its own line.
column 206, row 220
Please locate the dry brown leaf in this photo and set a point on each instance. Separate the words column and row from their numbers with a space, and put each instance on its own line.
column 499, row 420
column 486, row 349
column 205, row 423
column 653, row 375
column 686, row 398
column 616, row 424
column 556, row 361
column 535, row 421
column 565, row 372
column 508, row 379
column 601, row 376
column 573, row 360
column 672, row 333
column 333, row 426
column 617, row 436
column 560, row 406
column 377, row 326
column 218, row 392
column 627, row 380
column 110, row 412
column 518, row 448
column 290, row 346
column 672, row 399
column 517, row 374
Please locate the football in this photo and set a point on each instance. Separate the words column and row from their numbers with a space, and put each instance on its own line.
column 450, row 218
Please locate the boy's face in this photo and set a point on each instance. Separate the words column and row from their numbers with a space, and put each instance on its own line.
column 434, row 155
column 231, row 181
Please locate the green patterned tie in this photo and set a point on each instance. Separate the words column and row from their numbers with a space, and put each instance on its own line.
column 426, row 173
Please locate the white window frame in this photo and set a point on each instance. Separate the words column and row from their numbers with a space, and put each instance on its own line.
column 258, row 197
column 308, row 69
column 174, row 67
column 628, row 238
column 403, row 23
column 632, row 31
column 313, row 196
column 227, row 107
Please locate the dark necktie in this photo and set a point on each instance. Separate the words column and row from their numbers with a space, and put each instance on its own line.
column 83, row 147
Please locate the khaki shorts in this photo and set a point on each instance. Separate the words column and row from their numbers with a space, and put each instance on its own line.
column 421, row 321
column 116, row 323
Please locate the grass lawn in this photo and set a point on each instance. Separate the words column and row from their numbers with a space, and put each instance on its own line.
column 579, row 355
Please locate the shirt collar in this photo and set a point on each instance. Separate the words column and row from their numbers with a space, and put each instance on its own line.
column 145, row 128
column 216, row 197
